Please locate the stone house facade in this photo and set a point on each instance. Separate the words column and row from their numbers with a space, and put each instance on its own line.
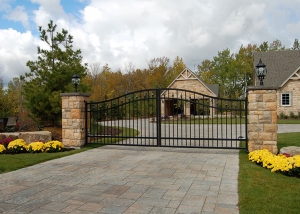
column 187, row 80
column 283, row 73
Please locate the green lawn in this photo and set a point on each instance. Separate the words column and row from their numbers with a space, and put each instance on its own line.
column 10, row 162
column 262, row 191
column 223, row 120
column 288, row 121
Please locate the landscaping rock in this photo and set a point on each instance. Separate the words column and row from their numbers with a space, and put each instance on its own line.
column 30, row 137
column 291, row 150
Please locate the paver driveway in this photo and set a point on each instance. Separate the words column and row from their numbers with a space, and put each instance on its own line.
column 116, row 179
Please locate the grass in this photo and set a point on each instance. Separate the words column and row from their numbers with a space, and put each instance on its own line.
column 124, row 134
column 10, row 162
column 229, row 120
column 288, row 139
column 288, row 121
column 262, row 191
column 223, row 121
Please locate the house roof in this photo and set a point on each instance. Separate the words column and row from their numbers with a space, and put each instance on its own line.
column 281, row 66
column 214, row 88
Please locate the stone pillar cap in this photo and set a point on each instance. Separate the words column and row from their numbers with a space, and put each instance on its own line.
column 262, row 87
column 74, row 94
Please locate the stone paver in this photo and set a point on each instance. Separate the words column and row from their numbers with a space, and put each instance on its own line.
column 116, row 179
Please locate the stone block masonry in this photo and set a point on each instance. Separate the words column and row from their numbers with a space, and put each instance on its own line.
column 73, row 119
column 262, row 118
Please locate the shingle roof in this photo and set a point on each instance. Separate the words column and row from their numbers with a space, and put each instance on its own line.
column 280, row 66
column 214, row 88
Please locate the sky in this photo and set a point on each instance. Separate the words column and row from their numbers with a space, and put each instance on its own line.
column 132, row 32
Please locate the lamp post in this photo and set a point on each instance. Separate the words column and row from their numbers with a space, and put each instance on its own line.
column 75, row 81
column 261, row 71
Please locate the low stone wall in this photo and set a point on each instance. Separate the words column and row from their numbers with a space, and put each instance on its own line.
column 29, row 137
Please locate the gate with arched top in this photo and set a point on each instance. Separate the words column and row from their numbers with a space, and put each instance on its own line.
column 169, row 118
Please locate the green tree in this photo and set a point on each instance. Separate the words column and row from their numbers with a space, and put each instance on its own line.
column 233, row 72
column 276, row 45
column 296, row 45
column 178, row 66
column 3, row 106
column 205, row 71
column 51, row 75
column 14, row 96
column 263, row 47
column 158, row 72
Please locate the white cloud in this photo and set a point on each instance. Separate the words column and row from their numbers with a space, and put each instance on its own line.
column 5, row 5
column 15, row 50
column 134, row 31
column 18, row 14
column 48, row 9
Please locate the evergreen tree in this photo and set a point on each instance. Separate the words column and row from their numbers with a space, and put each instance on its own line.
column 296, row 45
column 51, row 75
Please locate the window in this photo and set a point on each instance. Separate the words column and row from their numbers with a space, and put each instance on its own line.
column 285, row 99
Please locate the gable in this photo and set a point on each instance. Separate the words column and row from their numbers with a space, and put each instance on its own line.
column 294, row 76
column 187, row 80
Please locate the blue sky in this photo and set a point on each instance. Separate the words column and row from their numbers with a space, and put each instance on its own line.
column 132, row 32
column 69, row 6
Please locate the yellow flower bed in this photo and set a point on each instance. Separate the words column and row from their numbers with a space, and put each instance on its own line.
column 276, row 163
column 20, row 146
column 2, row 148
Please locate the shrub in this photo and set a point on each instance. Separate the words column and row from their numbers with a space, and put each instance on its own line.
column 36, row 147
column 292, row 115
column 2, row 148
column 53, row 146
column 6, row 141
column 17, row 146
column 281, row 115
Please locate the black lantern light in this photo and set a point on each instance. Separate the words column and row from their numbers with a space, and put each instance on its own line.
column 75, row 81
column 261, row 71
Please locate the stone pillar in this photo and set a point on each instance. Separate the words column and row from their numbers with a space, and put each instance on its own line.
column 73, row 119
column 262, row 118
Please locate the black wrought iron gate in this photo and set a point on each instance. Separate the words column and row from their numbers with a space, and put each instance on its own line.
column 168, row 117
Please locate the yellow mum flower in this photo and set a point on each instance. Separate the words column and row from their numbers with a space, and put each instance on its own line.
column 17, row 146
column 53, row 146
column 36, row 147
column 2, row 148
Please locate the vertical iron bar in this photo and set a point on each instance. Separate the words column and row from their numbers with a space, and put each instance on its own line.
column 231, row 108
column 158, row 116
column 144, row 117
column 203, row 121
column 174, row 114
column 86, row 122
column 129, row 116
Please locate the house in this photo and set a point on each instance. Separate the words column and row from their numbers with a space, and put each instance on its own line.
column 173, row 100
column 283, row 72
